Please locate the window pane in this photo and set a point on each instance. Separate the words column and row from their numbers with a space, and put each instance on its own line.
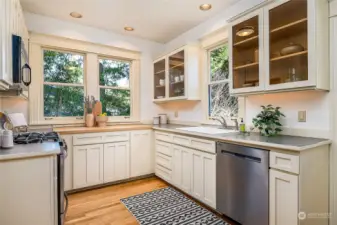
column 115, row 102
column 220, row 102
column 114, row 73
column 60, row 101
column 219, row 63
column 63, row 67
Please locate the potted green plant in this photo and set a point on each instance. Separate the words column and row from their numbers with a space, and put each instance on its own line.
column 268, row 121
column 102, row 119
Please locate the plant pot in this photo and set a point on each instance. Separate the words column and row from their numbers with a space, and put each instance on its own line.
column 101, row 121
column 90, row 120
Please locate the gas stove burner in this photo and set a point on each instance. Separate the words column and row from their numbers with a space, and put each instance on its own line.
column 36, row 137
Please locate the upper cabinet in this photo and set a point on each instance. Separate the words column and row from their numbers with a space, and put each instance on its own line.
column 274, row 52
column 11, row 22
column 246, row 63
column 176, row 75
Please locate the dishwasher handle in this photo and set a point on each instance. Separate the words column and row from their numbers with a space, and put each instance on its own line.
column 241, row 156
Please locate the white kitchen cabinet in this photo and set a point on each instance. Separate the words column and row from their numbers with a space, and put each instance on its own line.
column 203, row 177
column 259, row 62
column 181, row 168
column 179, row 71
column 11, row 22
column 116, row 161
column 28, row 191
column 87, row 165
column 68, row 163
column 194, row 172
column 141, row 153
column 283, row 198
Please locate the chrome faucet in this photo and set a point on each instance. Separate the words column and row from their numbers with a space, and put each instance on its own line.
column 236, row 123
column 222, row 121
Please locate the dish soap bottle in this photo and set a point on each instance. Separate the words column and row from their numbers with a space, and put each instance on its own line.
column 242, row 126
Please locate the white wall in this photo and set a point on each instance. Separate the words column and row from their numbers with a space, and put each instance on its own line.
column 315, row 103
column 148, row 49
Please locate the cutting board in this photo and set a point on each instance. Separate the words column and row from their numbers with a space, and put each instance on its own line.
column 98, row 108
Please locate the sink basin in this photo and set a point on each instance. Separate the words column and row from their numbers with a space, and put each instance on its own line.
column 207, row 130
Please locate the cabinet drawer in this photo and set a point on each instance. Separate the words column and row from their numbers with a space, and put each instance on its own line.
column 164, row 160
column 163, row 136
column 163, row 173
column 204, row 145
column 181, row 140
column 84, row 139
column 164, row 148
column 116, row 136
column 289, row 163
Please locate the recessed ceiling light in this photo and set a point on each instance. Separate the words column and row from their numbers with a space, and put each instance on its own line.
column 205, row 7
column 76, row 15
column 129, row 28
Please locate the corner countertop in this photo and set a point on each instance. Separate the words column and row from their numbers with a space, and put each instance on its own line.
column 282, row 142
column 112, row 128
column 30, row 150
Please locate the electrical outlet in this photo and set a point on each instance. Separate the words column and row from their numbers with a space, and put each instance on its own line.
column 176, row 114
column 302, row 116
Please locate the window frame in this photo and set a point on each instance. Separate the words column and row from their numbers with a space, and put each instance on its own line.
column 38, row 42
column 84, row 85
column 209, row 82
column 131, row 89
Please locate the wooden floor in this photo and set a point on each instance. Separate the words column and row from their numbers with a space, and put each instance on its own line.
column 103, row 207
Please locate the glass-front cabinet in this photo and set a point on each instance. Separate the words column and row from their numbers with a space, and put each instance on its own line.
column 282, row 46
column 176, row 75
column 246, row 39
column 159, row 79
column 287, row 44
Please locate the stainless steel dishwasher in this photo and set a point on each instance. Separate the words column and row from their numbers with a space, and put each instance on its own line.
column 242, row 180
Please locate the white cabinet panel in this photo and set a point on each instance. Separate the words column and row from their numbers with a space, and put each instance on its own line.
column 186, row 161
column 283, row 198
column 68, row 163
column 28, row 191
column 164, row 161
column 116, row 136
column 116, row 161
column 286, row 162
column 87, row 165
column 209, row 181
column 142, row 153
column 197, row 174
column 85, row 139
column 164, row 148
column 176, row 166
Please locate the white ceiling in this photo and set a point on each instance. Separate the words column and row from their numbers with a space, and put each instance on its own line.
column 156, row 20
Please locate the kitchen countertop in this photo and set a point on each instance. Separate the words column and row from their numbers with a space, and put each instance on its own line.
column 112, row 128
column 284, row 142
column 30, row 150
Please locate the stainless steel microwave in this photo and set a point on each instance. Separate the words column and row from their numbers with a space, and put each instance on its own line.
column 22, row 73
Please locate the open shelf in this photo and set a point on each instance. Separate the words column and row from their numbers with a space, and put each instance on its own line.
column 247, row 41
column 289, row 56
column 246, row 66
column 179, row 82
column 175, row 66
column 159, row 72
column 289, row 25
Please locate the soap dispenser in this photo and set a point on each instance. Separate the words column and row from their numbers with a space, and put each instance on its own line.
column 242, row 126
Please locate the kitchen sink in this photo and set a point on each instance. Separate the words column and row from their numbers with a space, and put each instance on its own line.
column 207, row 130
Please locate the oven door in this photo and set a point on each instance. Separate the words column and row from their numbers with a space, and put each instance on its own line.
column 62, row 197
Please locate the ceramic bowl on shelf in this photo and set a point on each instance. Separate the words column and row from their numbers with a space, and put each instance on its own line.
column 291, row 49
column 160, row 97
